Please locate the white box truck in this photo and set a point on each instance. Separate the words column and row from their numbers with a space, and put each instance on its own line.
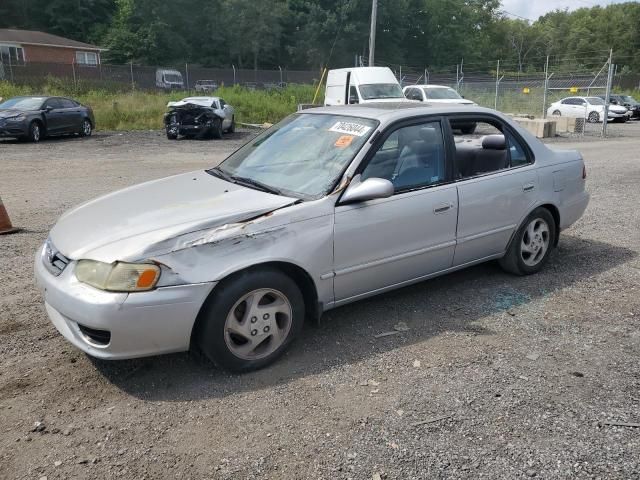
column 348, row 86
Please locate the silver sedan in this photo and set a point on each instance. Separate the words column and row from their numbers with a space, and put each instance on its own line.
column 330, row 206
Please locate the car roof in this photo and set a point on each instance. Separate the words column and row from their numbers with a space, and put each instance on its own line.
column 428, row 86
column 390, row 111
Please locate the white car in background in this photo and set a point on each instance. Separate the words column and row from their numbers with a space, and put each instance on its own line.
column 439, row 94
column 591, row 108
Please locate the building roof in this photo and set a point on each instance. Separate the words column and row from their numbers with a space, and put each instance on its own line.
column 31, row 37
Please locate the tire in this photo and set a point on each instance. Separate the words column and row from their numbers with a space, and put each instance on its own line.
column 171, row 135
column 557, row 113
column 468, row 129
column 527, row 253
column 594, row 117
column 86, row 128
column 234, row 339
column 216, row 129
column 35, row 132
column 232, row 127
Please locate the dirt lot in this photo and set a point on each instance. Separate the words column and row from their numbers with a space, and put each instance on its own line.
column 497, row 376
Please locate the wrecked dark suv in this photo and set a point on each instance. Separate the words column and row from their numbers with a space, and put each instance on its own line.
column 199, row 117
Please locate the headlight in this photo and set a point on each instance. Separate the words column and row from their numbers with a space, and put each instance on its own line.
column 19, row 118
column 119, row 276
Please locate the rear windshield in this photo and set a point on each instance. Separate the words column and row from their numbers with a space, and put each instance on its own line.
column 303, row 155
column 23, row 103
column 442, row 94
column 374, row 91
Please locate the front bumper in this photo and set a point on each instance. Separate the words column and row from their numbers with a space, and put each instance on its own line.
column 618, row 115
column 13, row 129
column 140, row 324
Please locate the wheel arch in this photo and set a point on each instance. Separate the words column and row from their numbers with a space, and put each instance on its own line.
column 555, row 213
column 313, row 309
column 42, row 121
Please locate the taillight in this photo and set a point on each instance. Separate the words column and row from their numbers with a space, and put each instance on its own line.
column 584, row 172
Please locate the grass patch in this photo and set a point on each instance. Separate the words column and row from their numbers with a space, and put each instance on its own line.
column 138, row 110
column 141, row 110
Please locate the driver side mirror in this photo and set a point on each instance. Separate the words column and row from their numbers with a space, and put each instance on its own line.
column 48, row 108
column 353, row 99
column 370, row 189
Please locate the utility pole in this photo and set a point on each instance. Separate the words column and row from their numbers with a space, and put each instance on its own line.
column 372, row 34
column 607, row 98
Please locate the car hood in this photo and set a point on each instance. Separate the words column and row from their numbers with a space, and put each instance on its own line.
column 125, row 224
column 617, row 109
column 10, row 113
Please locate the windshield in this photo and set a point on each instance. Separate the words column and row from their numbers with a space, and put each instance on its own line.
column 628, row 99
column 380, row 90
column 302, row 156
column 442, row 94
column 172, row 77
column 22, row 103
column 595, row 100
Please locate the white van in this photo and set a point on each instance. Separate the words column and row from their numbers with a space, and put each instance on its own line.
column 169, row 79
column 362, row 85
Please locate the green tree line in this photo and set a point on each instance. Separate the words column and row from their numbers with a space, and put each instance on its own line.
column 305, row 34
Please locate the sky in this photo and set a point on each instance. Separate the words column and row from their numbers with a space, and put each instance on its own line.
column 532, row 9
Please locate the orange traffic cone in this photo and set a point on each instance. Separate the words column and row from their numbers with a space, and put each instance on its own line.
column 5, row 222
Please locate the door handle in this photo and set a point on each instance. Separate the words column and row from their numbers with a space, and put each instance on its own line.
column 442, row 208
column 528, row 187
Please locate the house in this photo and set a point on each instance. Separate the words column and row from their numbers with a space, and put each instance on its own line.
column 19, row 47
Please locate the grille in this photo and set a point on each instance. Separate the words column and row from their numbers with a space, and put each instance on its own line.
column 53, row 260
column 99, row 337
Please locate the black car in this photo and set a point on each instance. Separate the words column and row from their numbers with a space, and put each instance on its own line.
column 626, row 101
column 33, row 118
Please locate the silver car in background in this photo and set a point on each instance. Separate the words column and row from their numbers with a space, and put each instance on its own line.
column 330, row 206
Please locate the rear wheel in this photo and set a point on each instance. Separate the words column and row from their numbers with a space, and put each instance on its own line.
column 232, row 127
column 250, row 320
column 557, row 113
column 530, row 247
column 594, row 117
column 35, row 132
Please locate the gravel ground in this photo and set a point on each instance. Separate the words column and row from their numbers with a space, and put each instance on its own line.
column 496, row 377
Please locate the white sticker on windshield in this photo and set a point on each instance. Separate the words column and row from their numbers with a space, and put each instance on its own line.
column 350, row 128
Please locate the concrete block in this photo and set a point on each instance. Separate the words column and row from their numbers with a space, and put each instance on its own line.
column 541, row 128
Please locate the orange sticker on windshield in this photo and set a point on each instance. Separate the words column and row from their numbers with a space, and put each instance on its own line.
column 344, row 141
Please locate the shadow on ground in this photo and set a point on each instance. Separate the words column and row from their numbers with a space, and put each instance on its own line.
column 451, row 303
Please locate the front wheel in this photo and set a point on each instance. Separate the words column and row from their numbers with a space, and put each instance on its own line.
column 531, row 245
column 594, row 117
column 35, row 132
column 216, row 129
column 86, row 128
column 556, row 113
column 232, row 127
column 250, row 320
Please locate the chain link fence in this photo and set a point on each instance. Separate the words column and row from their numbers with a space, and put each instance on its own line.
column 502, row 86
column 140, row 77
